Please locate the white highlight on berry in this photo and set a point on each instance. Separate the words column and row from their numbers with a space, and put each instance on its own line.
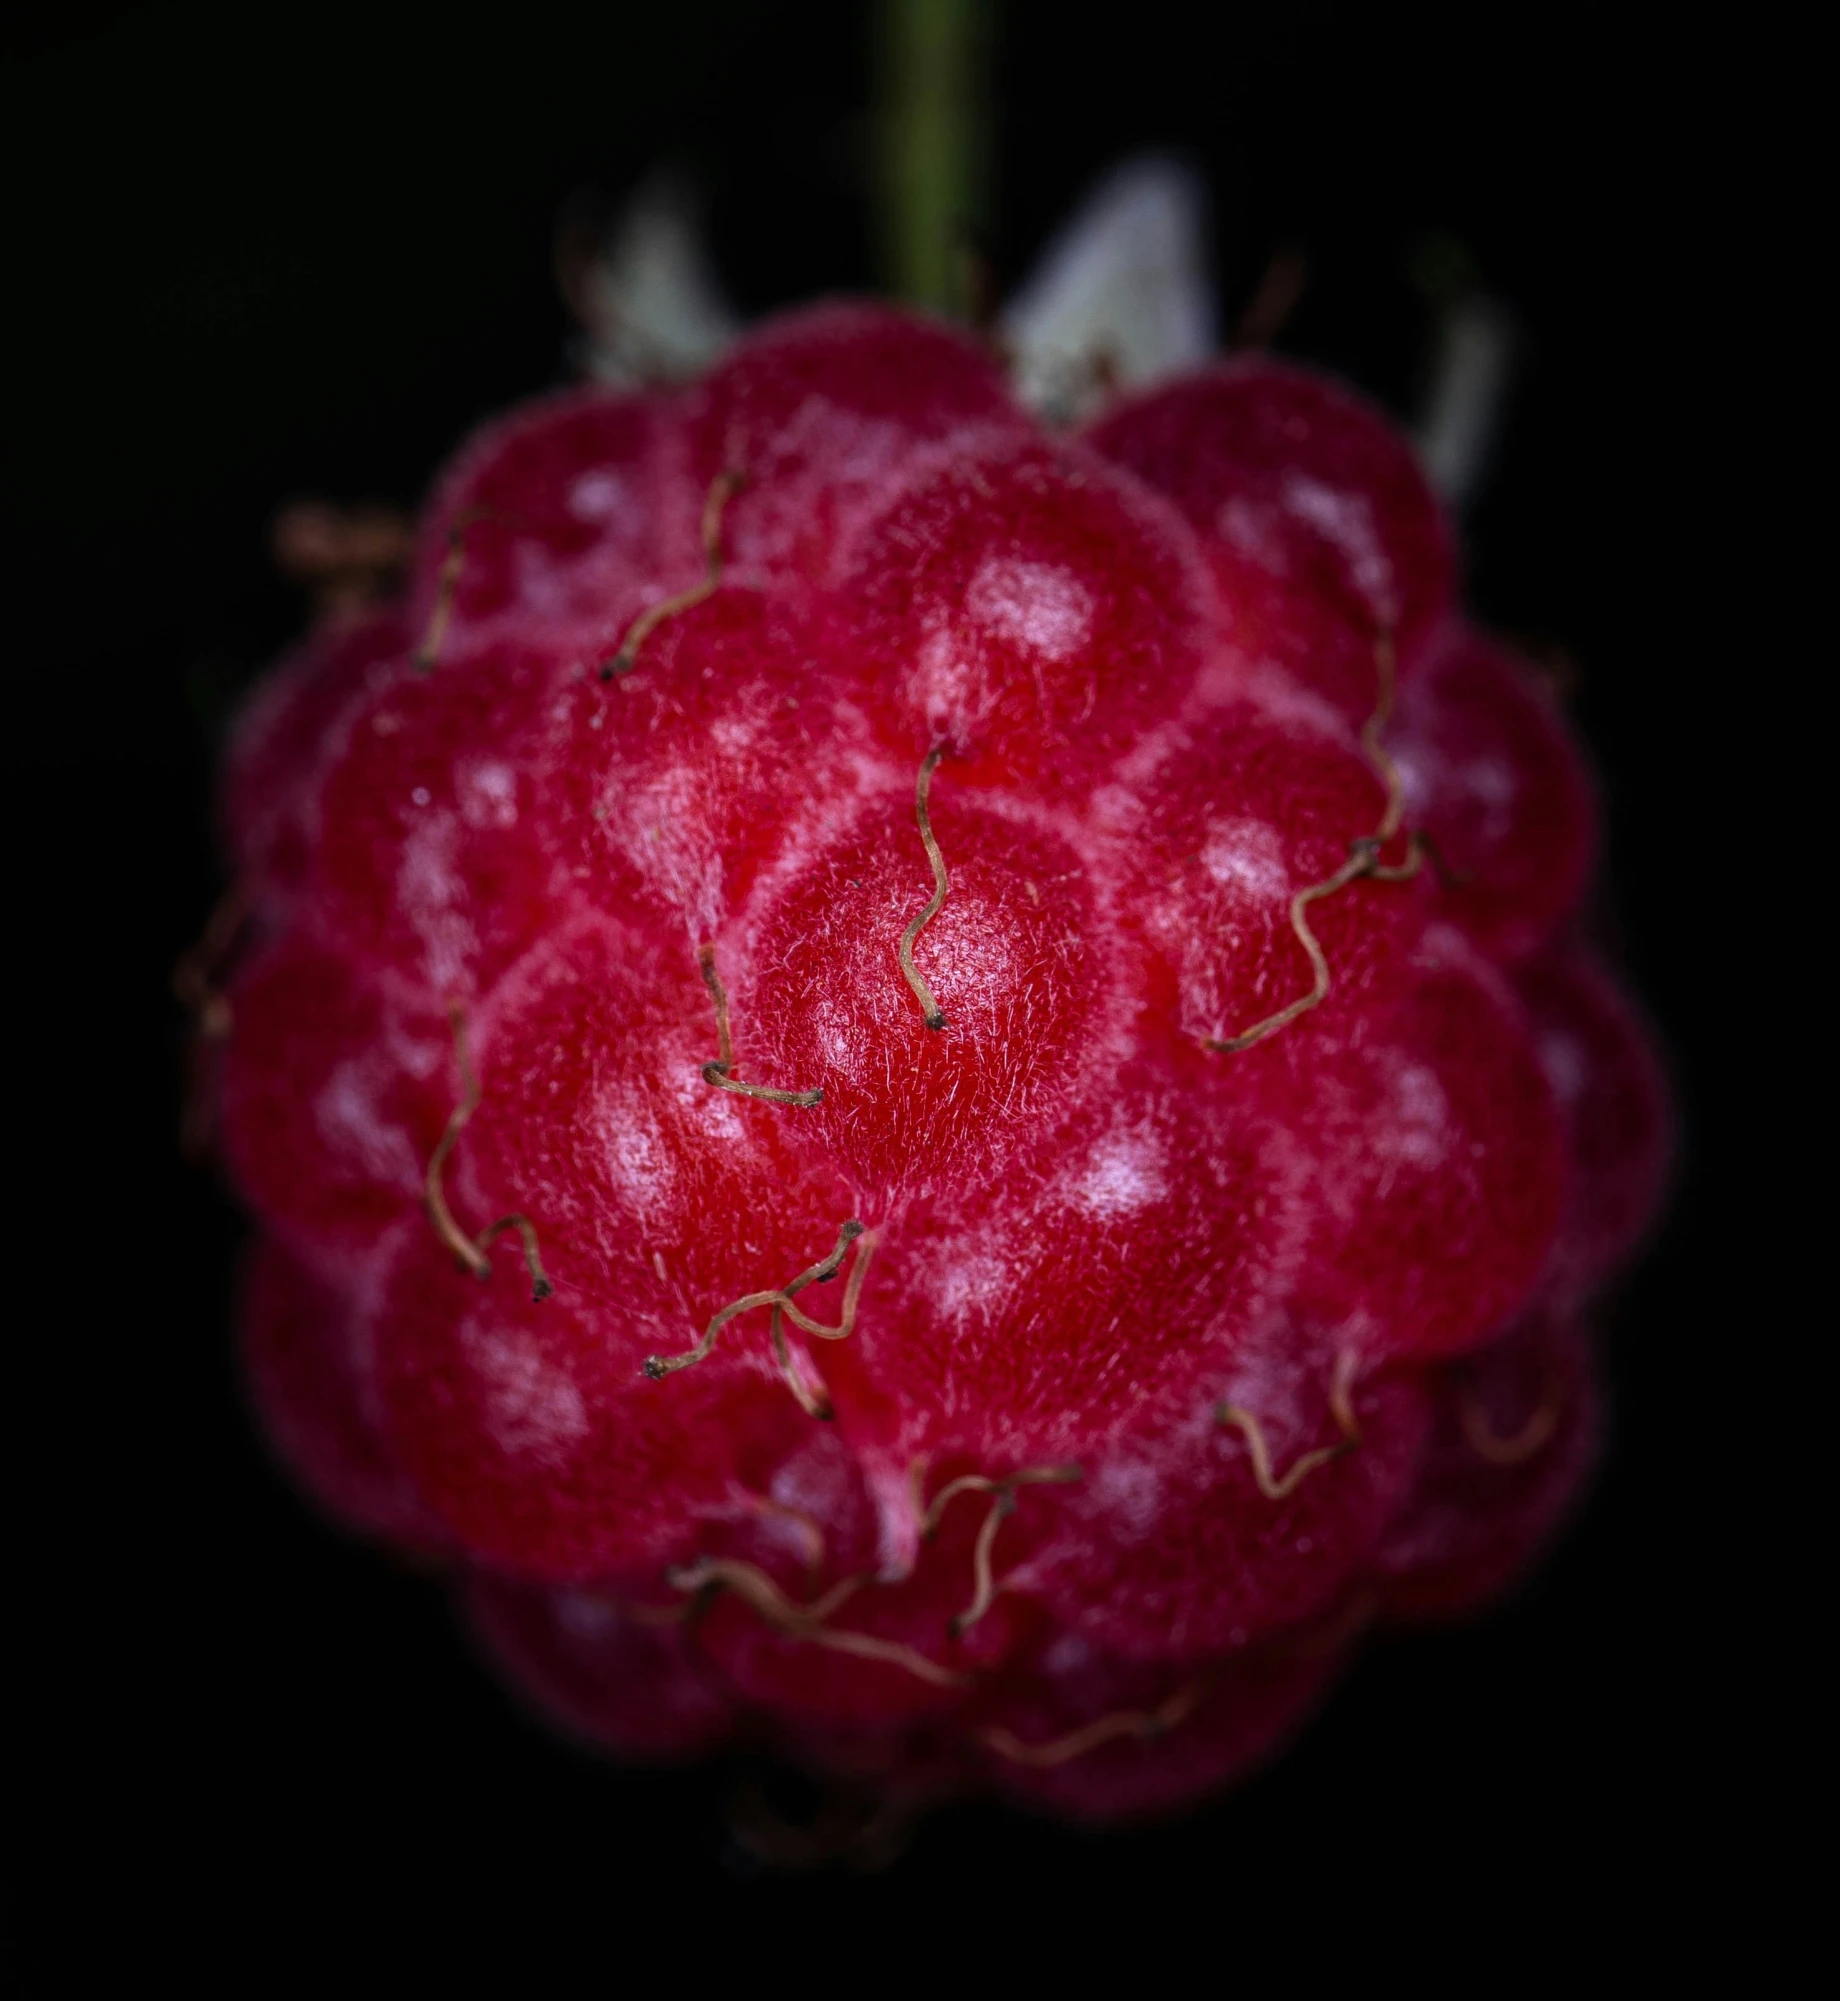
column 1128, row 1495
column 1038, row 608
column 1490, row 784
column 601, row 495
column 1125, row 1173
column 967, row 1285
column 532, row 1410
column 431, row 893
column 545, row 586
column 638, row 1164
column 1567, row 1065
column 1419, row 1130
column 1250, row 528
column 487, row 790
column 1067, row 1654
column 586, row 1614
column 1347, row 521
column 347, row 1118
column 1247, row 856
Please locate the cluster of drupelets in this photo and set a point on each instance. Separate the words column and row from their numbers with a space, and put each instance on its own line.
column 822, row 1621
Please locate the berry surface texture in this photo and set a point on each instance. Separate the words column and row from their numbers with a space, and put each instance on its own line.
column 924, row 1092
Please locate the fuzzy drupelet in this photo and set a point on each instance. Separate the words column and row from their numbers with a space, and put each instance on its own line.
column 1075, row 938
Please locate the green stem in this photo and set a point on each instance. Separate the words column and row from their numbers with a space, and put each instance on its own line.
column 935, row 151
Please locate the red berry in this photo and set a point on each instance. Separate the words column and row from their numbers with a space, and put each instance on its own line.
column 681, row 777
column 1030, row 610
column 822, row 415
column 1439, row 1162
column 433, row 863
column 557, row 526
column 284, row 737
column 314, row 1381
column 627, row 1677
column 1315, row 513
column 1514, row 1431
column 1011, row 960
column 1612, row 1099
column 1098, row 1738
column 1492, row 776
column 924, row 1089
column 333, row 1097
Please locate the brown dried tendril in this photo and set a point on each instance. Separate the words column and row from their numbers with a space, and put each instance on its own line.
column 472, row 1251
column 1145, row 1725
column 985, row 1585
column 198, row 986
column 929, row 1007
column 760, row 1594
column 781, row 1299
column 1363, row 864
column 1532, row 1438
column 447, row 587
column 721, row 1072
column 1341, row 1406
column 722, row 489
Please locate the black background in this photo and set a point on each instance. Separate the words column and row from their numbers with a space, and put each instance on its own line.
column 302, row 252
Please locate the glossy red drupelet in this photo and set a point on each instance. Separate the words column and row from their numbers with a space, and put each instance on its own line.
column 926, row 1091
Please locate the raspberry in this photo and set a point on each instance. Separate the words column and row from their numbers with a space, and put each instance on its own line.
column 924, row 1090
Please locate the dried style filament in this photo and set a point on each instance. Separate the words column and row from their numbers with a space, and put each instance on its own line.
column 809, row 1531
column 1341, row 1395
column 721, row 1071
column 1519, row 1446
column 1448, row 877
column 984, row 1586
column 1341, row 1407
column 197, row 986
column 1144, row 1724
column 966, row 1483
column 659, row 1366
column 1385, row 674
column 896, row 1653
column 1336, row 1629
column 756, row 1589
column 472, row 1252
column 1418, row 850
column 1273, row 300
column 862, row 1827
column 760, row 1594
column 980, row 1483
column 658, row 1616
column 929, row 1007
column 1363, row 863
column 984, row 1583
column 1360, row 863
column 196, row 975
column 347, row 558
column 540, row 1287
column 852, row 1292
column 439, row 1214
column 817, row 1402
column 813, row 1402
column 722, row 489
column 447, row 588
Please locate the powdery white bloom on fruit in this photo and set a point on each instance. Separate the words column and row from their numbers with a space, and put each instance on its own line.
column 929, row 1089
